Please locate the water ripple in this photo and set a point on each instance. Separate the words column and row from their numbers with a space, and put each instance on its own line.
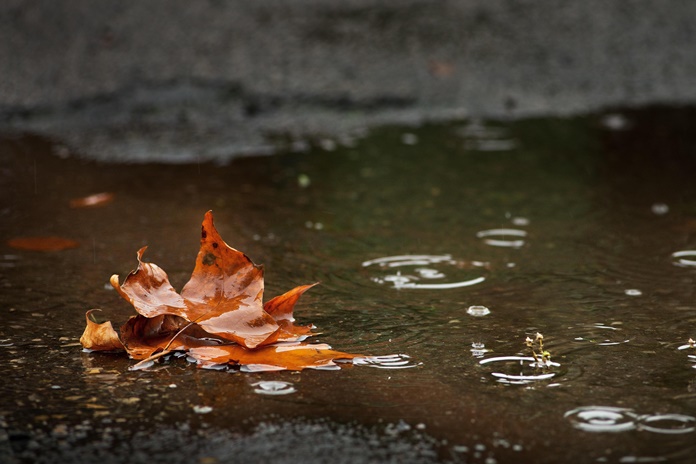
column 680, row 258
column 273, row 387
column 602, row 419
column 520, row 369
column 425, row 271
column 611, row 419
column 390, row 361
column 499, row 237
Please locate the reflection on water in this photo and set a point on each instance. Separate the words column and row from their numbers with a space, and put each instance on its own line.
column 563, row 229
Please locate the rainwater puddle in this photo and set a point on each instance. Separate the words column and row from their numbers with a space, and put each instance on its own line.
column 447, row 243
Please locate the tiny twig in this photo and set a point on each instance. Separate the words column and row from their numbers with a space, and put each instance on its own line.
column 164, row 351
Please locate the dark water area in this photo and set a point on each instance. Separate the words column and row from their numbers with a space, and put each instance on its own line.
column 582, row 229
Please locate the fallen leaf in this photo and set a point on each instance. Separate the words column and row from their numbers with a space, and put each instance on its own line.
column 42, row 243
column 99, row 337
column 219, row 316
column 223, row 295
column 91, row 201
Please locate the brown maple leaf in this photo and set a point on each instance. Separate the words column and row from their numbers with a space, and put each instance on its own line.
column 219, row 313
column 223, row 296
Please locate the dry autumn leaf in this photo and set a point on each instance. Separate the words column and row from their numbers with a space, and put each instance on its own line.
column 219, row 316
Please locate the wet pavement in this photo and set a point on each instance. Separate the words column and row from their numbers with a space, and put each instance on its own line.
column 448, row 243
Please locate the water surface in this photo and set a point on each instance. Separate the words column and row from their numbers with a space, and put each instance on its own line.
column 579, row 229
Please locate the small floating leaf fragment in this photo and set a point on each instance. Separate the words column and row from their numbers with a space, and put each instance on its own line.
column 42, row 243
column 92, row 201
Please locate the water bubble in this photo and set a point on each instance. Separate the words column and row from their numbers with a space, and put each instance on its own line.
column 615, row 122
column 273, row 387
column 521, row 369
column 633, row 292
column 500, row 237
column 424, row 271
column 478, row 311
column 328, row 144
column 681, row 258
column 303, row 181
column 602, row 419
column 667, row 423
column 409, row 139
column 202, row 409
column 391, row 361
column 659, row 209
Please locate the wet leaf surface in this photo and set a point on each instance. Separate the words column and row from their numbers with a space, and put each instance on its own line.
column 218, row 318
column 100, row 337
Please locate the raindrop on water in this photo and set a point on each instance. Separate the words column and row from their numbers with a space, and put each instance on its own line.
column 659, row 209
column 525, row 369
column 419, row 276
column 668, row 423
column 478, row 311
column 602, row 419
column 391, row 361
column 681, row 258
column 273, row 387
column 503, row 237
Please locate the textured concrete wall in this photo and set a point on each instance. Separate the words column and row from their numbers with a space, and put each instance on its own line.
column 208, row 79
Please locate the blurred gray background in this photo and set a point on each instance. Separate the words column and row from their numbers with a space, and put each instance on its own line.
column 182, row 81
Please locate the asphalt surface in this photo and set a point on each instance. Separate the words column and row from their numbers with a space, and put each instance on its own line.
column 180, row 81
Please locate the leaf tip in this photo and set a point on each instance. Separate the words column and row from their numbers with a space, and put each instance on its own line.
column 141, row 252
